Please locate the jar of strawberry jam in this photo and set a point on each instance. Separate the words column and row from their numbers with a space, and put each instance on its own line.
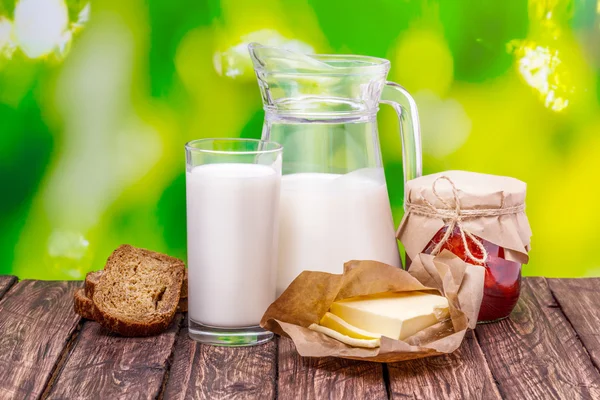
column 502, row 277
column 481, row 219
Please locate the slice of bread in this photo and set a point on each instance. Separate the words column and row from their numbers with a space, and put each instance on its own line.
column 138, row 292
column 91, row 279
column 83, row 305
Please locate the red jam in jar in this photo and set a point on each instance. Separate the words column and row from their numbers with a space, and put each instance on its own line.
column 502, row 277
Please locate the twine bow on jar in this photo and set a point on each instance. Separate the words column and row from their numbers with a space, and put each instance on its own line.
column 454, row 216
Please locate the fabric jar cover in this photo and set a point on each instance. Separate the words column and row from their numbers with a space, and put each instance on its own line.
column 488, row 206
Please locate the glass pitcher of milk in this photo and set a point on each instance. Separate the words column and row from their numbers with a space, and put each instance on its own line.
column 334, row 201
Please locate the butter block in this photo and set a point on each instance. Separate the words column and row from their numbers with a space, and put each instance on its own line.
column 395, row 315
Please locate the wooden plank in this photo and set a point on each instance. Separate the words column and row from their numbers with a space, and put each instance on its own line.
column 181, row 366
column 463, row 374
column 535, row 353
column 326, row 378
column 209, row 372
column 36, row 324
column 579, row 300
column 110, row 366
column 6, row 281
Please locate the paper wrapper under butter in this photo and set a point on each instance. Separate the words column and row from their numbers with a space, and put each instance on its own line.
column 489, row 206
column 311, row 294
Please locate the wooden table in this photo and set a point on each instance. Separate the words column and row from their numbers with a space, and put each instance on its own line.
column 549, row 348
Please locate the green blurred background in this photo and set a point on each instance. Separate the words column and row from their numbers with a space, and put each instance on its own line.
column 97, row 100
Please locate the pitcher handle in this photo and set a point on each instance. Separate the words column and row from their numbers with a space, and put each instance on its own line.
column 410, row 129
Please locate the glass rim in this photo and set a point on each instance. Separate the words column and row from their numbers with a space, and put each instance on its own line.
column 274, row 147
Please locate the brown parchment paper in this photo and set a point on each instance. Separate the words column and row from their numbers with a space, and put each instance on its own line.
column 310, row 295
column 475, row 191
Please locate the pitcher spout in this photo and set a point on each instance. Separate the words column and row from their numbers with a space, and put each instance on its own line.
column 278, row 60
column 295, row 83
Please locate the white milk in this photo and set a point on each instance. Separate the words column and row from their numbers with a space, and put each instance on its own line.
column 232, row 240
column 328, row 219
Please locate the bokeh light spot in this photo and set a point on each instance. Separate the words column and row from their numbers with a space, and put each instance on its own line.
column 7, row 45
column 67, row 244
column 40, row 25
column 82, row 18
column 542, row 69
column 445, row 125
column 423, row 61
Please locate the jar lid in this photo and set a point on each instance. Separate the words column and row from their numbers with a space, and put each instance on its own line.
column 475, row 190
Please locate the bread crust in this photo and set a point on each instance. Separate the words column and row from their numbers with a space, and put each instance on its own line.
column 91, row 279
column 83, row 305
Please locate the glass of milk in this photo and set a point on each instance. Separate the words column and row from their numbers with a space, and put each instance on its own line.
column 232, row 188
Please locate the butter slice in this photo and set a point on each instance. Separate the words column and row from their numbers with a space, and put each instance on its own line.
column 395, row 315
column 350, row 341
column 334, row 322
